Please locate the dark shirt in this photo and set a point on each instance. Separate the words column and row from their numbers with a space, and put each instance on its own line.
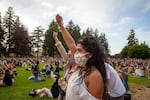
column 7, row 80
column 35, row 70
column 55, row 89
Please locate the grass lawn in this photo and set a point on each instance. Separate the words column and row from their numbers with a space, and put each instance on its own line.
column 22, row 86
column 139, row 81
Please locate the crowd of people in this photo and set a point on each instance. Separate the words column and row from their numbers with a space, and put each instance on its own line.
column 7, row 72
column 8, row 68
column 89, row 73
column 122, row 66
column 137, row 67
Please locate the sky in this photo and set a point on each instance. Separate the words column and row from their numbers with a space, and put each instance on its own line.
column 115, row 18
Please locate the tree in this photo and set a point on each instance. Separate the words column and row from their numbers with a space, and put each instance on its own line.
column 21, row 42
column 139, row 51
column 124, row 52
column 132, row 40
column 88, row 31
column 49, row 47
column 103, row 41
column 74, row 30
column 17, row 39
column 9, row 25
column 2, row 32
column 133, row 49
column 37, row 39
column 49, row 43
column 101, row 38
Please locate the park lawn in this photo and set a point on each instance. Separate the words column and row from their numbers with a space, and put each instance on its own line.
column 139, row 81
column 22, row 86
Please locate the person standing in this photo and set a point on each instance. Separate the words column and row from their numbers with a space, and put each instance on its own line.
column 88, row 74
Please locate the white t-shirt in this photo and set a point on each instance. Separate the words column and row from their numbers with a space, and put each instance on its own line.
column 115, row 86
column 139, row 72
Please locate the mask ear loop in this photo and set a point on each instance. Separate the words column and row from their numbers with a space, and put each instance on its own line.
column 85, row 54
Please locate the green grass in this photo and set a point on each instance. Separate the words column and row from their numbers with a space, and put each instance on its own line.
column 141, row 81
column 22, row 86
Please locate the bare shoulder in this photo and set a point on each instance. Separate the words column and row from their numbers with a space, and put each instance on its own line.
column 94, row 73
column 93, row 76
column 94, row 83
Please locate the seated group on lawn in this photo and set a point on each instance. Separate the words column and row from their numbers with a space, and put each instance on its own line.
column 38, row 74
column 7, row 73
column 136, row 67
column 35, row 72
column 83, row 66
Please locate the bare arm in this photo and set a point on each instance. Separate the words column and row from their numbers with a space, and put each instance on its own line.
column 66, row 35
column 95, row 84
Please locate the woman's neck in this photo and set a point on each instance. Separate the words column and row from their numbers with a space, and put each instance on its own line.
column 74, row 67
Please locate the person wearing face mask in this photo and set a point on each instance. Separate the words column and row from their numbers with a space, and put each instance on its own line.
column 80, row 59
column 91, row 77
column 87, row 75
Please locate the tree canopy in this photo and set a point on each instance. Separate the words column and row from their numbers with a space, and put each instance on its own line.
column 135, row 50
column 15, row 39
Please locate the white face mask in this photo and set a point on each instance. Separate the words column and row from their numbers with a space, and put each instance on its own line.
column 80, row 59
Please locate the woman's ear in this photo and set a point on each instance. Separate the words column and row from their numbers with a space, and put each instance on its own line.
column 89, row 55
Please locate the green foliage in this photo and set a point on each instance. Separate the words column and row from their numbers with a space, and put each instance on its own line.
column 135, row 50
column 9, row 22
column 12, row 26
column 124, row 52
column 49, row 47
column 21, row 42
column 49, row 44
column 139, row 51
column 14, row 34
column 2, row 32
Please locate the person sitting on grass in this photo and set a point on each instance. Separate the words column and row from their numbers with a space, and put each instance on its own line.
column 139, row 71
column 53, row 92
column 47, row 70
column 1, row 76
column 7, row 79
column 35, row 73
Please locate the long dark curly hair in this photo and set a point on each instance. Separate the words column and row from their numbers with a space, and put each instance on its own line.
column 91, row 45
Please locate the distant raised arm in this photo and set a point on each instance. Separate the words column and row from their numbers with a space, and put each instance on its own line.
column 60, row 47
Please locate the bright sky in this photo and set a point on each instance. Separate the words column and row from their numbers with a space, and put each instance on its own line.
column 113, row 17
